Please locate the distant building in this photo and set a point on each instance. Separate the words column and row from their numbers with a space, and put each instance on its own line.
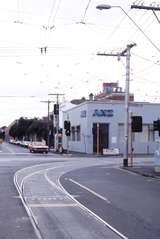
column 111, row 91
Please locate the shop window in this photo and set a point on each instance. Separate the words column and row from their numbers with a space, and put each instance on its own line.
column 73, row 133
column 78, row 130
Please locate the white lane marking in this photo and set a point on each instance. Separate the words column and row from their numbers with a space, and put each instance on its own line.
column 92, row 213
column 69, row 195
column 90, row 190
column 54, row 205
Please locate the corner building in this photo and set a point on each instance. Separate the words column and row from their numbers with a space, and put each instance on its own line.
column 99, row 125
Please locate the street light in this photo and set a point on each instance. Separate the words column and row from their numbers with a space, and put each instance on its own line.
column 125, row 53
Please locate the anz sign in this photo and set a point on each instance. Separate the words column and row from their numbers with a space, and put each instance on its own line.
column 103, row 113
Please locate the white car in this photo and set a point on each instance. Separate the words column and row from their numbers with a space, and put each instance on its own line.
column 38, row 146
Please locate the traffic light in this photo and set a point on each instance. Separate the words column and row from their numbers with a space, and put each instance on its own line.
column 56, row 109
column 136, row 123
column 67, row 132
column 67, row 127
column 67, row 124
column 156, row 125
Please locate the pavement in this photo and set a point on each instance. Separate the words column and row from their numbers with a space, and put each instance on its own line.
column 144, row 170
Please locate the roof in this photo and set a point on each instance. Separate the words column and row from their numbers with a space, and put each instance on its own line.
column 113, row 102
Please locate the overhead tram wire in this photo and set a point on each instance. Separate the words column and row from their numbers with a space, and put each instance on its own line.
column 51, row 12
column 146, row 59
column 132, row 35
column 85, row 12
column 56, row 12
column 118, row 26
column 146, row 69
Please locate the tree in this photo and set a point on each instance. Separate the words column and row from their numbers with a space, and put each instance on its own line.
column 38, row 129
column 29, row 129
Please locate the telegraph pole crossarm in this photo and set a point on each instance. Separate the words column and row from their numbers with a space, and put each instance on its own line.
column 153, row 8
column 150, row 8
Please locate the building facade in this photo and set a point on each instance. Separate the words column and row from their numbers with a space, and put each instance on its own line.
column 97, row 125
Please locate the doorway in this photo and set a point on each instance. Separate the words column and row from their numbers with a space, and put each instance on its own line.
column 100, row 137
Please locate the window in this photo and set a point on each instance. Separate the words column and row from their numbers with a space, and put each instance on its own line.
column 121, row 133
column 151, row 133
column 78, row 133
column 144, row 136
column 73, row 133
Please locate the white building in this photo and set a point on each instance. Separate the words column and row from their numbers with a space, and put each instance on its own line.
column 108, row 117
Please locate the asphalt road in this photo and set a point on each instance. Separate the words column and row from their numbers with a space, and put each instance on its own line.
column 132, row 201
column 59, row 197
column 14, row 221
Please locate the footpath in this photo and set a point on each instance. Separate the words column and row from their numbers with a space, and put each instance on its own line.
column 141, row 169
column 144, row 170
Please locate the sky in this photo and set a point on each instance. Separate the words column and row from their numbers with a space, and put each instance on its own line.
column 73, row 31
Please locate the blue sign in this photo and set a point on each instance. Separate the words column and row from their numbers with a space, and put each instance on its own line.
column 103, row 113
column 83, row 114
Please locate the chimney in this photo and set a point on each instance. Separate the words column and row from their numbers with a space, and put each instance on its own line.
column 90, row 96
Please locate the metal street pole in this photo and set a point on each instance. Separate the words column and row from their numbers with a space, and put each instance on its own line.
column 56, row 120
column 48, row 128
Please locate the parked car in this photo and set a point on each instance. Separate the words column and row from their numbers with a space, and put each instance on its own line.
column 38, row 146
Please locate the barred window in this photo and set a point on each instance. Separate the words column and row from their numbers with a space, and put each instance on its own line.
column 73, row 133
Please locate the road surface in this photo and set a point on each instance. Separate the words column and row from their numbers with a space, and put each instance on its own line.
column 52, row 196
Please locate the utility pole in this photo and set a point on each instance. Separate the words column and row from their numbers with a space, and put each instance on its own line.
column 56, row 118
column 48, row 126
column 152, row 8
column 125, row 53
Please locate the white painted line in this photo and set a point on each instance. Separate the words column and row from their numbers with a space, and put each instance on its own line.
column 90, row 190
column 54, row 205
column 92, row 213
